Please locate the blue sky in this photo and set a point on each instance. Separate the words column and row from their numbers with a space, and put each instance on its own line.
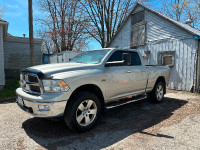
column 16, row 13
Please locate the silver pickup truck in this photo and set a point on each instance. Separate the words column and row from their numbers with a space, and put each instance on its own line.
column 91, row 82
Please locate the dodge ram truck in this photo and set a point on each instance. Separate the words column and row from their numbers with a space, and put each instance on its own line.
column 93, row 81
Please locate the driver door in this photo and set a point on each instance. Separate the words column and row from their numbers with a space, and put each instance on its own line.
column 119, row 79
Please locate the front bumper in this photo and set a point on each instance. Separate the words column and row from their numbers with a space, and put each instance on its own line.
column 47, row 106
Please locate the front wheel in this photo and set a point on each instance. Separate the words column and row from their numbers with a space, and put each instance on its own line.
column 157, row 94
column 82, row 112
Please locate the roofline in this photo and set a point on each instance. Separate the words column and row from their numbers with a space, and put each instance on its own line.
column 21, row 39
column 123, row 24
column 161, row 15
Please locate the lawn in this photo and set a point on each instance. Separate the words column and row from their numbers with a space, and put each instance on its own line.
column 9, row 88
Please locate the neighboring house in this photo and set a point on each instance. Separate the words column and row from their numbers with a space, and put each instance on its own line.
column 3, row 33
column 163, row 41
column 15, row 53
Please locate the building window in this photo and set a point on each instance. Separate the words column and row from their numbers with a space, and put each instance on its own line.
column 166, row 58
column 137, row 18
column 138, row 29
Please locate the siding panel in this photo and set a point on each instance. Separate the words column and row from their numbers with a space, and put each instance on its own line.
column 182, row 73
column 159, row 28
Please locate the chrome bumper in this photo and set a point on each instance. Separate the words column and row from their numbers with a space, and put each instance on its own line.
column 41, row 108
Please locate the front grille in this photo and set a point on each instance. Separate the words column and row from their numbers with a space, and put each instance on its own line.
column 35, row 88
column 32, row 78
column 30, row 83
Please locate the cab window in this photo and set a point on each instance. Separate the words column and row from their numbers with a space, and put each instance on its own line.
column 118, row 56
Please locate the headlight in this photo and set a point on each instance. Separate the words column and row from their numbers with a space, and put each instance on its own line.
column 55, row 86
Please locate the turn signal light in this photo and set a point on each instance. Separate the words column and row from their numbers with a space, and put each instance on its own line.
column 62, row 83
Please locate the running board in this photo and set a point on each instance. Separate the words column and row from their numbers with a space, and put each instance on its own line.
column 124, row 102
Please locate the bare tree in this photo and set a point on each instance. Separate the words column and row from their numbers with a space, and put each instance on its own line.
column 30, row 11
column 64, row 23
column 176, row 9
column 2, row 11
column 105, row 16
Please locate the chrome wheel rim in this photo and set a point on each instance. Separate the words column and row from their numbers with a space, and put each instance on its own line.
column 86, row 112
column 159, row 92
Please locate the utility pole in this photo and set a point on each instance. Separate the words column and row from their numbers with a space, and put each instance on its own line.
column 30, row 21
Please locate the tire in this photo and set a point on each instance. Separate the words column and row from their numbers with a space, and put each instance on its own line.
column 157, row 94
column 82, row 112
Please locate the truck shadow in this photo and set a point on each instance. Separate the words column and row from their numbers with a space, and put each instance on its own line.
column 114, row 125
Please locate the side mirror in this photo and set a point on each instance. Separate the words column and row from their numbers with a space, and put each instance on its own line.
column 127, row 59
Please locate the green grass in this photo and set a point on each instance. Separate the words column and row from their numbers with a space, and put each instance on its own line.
column 9, row 88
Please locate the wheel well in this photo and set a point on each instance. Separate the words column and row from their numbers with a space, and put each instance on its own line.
column 162, row 79
column 90, row 88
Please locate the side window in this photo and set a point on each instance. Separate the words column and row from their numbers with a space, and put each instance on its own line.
column 116, row 56
column 135, row 59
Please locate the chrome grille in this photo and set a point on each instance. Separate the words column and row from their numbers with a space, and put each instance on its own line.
column 31, row 83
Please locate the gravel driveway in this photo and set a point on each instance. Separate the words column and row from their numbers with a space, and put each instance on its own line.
column 173, row 124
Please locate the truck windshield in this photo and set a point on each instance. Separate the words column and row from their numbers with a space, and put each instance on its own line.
column 91, row 57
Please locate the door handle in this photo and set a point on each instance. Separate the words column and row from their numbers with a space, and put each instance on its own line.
column 129, row 71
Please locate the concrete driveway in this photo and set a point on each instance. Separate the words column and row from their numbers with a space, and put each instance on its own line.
column 173, row 124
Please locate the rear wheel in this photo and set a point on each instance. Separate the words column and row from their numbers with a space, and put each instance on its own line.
column 157, row 95
column 82, row 112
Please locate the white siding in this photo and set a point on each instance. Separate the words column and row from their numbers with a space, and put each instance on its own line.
column 123, row 37
column 159, row 29
column 182, row 73
column 2, row 75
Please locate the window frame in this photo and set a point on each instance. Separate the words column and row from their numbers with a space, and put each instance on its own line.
column 139, row 23
column 171, row 64
column 122, row 60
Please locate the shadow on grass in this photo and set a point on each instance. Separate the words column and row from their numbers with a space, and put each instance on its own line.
column 8, row 94
column 114, row 125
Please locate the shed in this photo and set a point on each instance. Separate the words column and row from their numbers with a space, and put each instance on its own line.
column 163, row 41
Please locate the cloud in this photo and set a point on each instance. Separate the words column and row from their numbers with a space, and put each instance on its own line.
column 12, row 6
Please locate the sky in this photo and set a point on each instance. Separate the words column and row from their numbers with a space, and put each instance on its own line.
column 16, row 13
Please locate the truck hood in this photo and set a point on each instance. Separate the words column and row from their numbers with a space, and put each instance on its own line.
column 50, row 69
